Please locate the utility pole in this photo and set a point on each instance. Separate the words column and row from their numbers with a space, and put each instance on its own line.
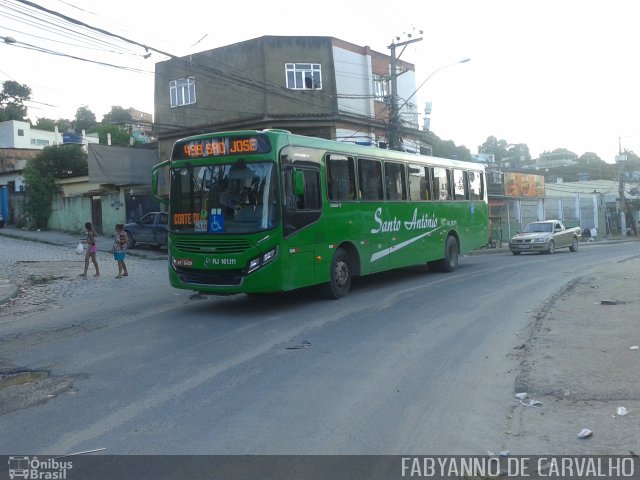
column 620, row 158
column 394, row 109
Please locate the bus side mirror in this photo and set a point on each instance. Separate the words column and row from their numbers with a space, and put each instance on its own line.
column 162, row 197
column 298, row 182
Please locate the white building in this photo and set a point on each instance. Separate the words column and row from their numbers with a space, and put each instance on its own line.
column 19, row 134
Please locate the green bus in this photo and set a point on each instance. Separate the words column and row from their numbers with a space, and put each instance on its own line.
column 270, row 211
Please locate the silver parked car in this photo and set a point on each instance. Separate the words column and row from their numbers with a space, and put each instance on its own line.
column 545, row 237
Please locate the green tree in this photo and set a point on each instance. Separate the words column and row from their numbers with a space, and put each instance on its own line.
column 40, row 174
column 85, row 119
column 519, row 153
column 39, row 188
column 12, row 98
column 49, row 125
column 495, row 147
column 597, row 168
column 118, row 137
column 447, row 148
column 64, row 124
column 117, row 115
column 632, row 163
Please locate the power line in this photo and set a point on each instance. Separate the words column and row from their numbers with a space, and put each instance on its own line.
column 238, row 78
column 53, row 52
column 83, row 24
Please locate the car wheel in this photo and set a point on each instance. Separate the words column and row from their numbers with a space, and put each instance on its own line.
column 552, row 247
column 574, row 245
column 339, row 276
column 130, row 242
column 515, row 253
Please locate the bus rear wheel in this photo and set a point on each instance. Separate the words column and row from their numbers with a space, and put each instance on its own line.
column 450, row 261
column 339, row 276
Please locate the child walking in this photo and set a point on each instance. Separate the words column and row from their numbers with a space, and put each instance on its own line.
column 119, row 247
column 91, row 250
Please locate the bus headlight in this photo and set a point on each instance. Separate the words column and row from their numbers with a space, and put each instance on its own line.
column 258, row 262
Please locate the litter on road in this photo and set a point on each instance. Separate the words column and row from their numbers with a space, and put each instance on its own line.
column 584, row 433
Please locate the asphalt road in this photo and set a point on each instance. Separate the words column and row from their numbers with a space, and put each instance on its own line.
column 410, row 362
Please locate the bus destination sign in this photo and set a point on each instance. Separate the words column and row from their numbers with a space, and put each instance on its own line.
column 221, row 147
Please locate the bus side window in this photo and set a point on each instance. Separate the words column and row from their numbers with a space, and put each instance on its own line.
column 428, row 187
column 312, row 199
column 460, row 190
column 475, row 186
column 441, row 184
column 309, row 200
column 419, row 184
column 370, row 178
column 302, row 209
column 341, row 178
column 395, row 181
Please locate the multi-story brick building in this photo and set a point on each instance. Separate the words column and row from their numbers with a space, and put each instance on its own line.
column 316, row 86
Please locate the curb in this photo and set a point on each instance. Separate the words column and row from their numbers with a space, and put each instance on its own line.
column 17, row 236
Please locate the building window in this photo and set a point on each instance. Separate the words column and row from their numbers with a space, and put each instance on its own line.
column 20, row 132
column 380, row 87
column 182, row 92
column 303, row 76
column 39, row 142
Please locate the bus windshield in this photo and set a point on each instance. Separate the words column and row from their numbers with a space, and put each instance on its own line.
column 224, row 198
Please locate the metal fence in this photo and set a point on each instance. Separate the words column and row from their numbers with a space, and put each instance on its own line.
column 508, row 215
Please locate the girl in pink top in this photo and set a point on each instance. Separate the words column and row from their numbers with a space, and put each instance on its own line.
column 91, row 250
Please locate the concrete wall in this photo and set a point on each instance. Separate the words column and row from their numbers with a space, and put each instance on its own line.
column 353, row 78
column 69, row 214
column 113, row 211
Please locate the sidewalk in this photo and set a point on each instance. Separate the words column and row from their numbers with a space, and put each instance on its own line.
column 9, row 290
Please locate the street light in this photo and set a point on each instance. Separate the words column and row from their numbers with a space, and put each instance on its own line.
column 464, row 60
column 394, row 117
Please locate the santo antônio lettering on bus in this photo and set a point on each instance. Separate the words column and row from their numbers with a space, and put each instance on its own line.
column 221, row 146
column 416, row 223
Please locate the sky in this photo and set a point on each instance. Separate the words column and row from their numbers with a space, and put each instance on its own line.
column 548, row 73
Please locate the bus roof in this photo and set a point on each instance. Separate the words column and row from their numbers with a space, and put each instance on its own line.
column 341, row 147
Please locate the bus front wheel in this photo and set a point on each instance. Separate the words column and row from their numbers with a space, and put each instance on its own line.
column 339, row 276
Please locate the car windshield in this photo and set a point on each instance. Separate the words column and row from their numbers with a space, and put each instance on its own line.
column 227, row 198
column 538, row 227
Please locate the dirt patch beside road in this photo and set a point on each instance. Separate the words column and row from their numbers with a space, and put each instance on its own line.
column 579, row 363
